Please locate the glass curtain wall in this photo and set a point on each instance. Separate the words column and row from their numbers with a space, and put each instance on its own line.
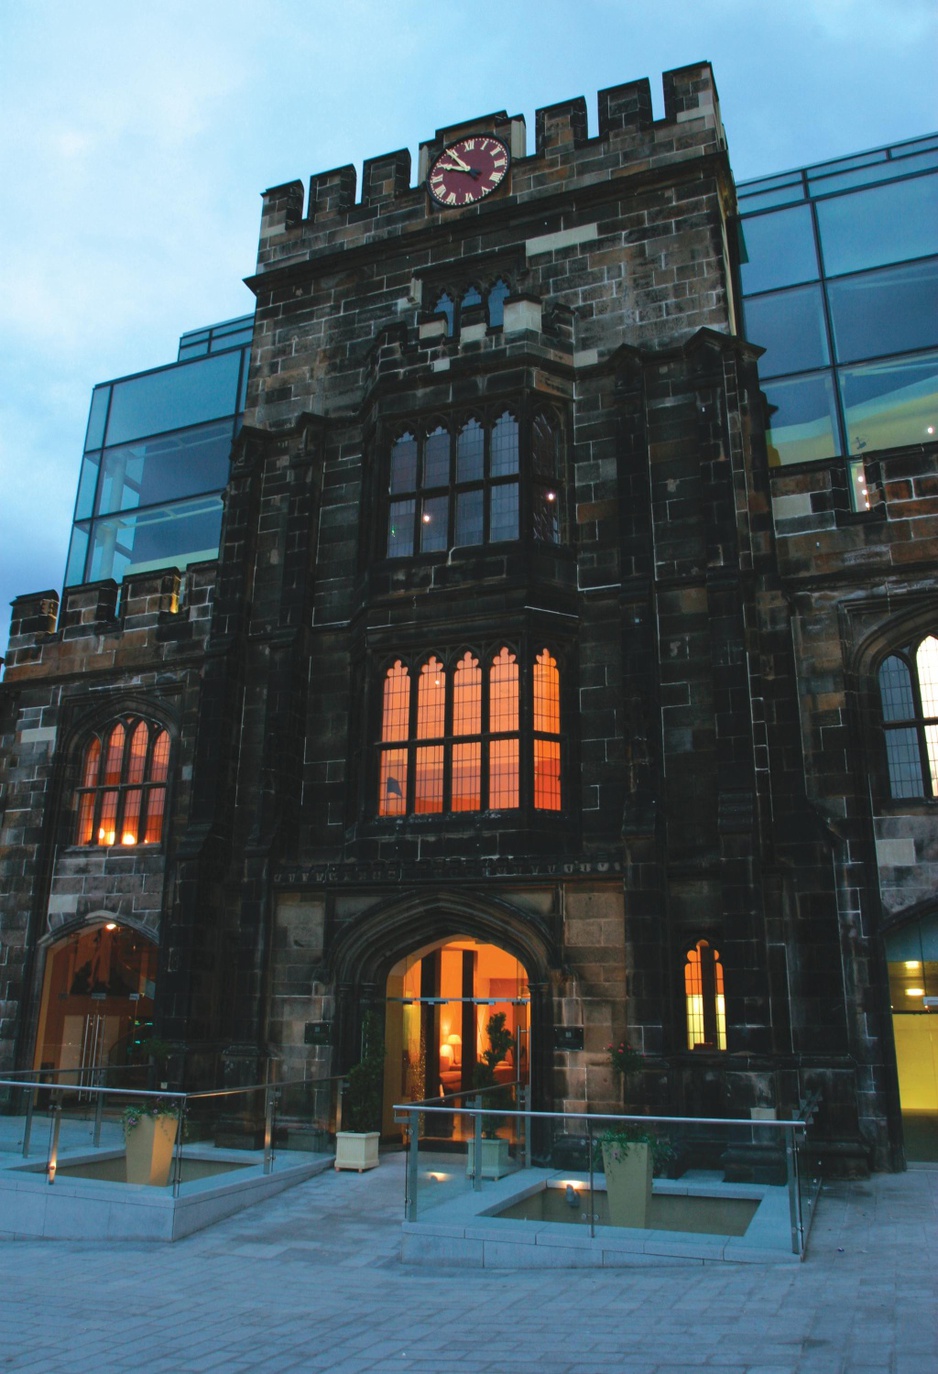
column 156, row 459
column 840, row 286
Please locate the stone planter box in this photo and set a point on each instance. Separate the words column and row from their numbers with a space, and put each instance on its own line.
column 149, row 1150
column 496, row 1162
column 357, row 1150
column 628, row 1184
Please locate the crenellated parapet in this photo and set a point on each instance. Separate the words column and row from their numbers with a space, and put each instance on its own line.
column 149, row 617
column 628, row 140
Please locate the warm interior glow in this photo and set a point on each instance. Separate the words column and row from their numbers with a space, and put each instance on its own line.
column 915, row 992
column 697, row 1014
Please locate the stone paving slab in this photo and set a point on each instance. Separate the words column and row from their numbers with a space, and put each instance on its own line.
column 311, row 1280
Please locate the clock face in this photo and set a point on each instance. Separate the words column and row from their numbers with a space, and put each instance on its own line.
column 468, row 170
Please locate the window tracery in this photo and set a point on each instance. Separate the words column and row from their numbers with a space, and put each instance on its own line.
column 704, row 997
column 122, row 795
column 908, row 690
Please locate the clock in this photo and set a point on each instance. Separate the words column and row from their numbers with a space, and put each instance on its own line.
column 467, row 171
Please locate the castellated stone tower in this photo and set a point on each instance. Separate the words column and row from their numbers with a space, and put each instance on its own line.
column 493, row 700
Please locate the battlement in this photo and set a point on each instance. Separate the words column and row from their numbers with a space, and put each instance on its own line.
column 105, row 624
column 629, row 139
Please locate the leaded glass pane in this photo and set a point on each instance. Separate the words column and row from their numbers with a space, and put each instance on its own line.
column 395, row 723
column 470, row 452
column 503, row 774
column 546, row 516
column 431, row 700
column 467, row 777
column 547, row 774
column 428, row 780
column 130, row 822
column 503, row 512
column 926, row 661
column 503, row 692
column 436, row 459
column 434, row 524
column 504, row 446
column 392, row 786
column 470, row 506
column 895, row 686
column 467, row 697
column 401, row 529
column 404, row 463
column 159, row 765
column 546, row 694
column 905, row 763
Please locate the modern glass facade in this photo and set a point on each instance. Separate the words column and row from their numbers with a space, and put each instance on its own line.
column 156, row 459
column 840, row 286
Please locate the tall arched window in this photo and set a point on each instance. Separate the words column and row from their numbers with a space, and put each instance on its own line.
column 908, row 689
column 122, row 796
column 703, row 996
column 453, row 735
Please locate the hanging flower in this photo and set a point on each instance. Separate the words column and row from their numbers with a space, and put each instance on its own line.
column 623, row 1058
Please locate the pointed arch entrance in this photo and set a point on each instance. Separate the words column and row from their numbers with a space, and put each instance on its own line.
column 912, row 961
column 438, row 966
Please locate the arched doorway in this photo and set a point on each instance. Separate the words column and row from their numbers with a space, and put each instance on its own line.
column 97, row 1004
column 440, row 1001
column 912, row 957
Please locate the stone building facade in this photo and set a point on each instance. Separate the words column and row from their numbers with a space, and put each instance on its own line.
column 503, row 651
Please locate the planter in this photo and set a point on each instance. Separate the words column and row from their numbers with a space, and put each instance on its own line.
column 496, row 1162
column 149, row 1150
column 357, row 1150
column 628, row 1184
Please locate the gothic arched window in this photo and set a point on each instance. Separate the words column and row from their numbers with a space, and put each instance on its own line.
column 703, row 997
column 908, row 690
column 122, row 795
column 455, row 737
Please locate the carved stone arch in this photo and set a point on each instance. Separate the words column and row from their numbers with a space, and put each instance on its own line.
column 96, row 918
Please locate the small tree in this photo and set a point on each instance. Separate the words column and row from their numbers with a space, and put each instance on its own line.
column 364, row 1097
column 493, row 1095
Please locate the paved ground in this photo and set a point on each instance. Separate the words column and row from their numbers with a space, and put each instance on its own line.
column 311, row 1281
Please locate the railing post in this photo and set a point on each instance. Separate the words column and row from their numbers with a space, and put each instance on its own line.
column 28, row 1127
column 413, row 1163
column 98, row 1116
column 589, row 1136
column 53, row 1160
column 794, row 1195
column 477, row 1145
column 270, row 1095
column 528, row 1147
column 177, row 1156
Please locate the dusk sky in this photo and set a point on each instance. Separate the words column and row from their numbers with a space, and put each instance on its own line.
column 135, row 139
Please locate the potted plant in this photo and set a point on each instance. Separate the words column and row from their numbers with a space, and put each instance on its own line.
column 630, row 1153
column 356, row 1145
column 495, row 1160
column 150, row 1127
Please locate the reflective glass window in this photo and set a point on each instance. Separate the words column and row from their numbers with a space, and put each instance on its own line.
column 880, row 225
column 174, row 397
column 867, row 176
column 765, row 200
column 168, row 536
column 194, row 350
column 154, row 471
column 890, row 403
column 789, row 325
column 77, row 552
column 94, row 437
column 908, row 691
column 87, row 485
column 802, row 420
column 779, row 249
column 894, row 310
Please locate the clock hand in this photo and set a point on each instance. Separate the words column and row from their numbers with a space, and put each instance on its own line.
column 458, row 160
column 474, row 172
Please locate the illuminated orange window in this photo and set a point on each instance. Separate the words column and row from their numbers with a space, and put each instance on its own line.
column 122, row 797
column 451, row 734
column 704, row 999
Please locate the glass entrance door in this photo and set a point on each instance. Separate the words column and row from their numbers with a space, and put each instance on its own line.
column 912, row 953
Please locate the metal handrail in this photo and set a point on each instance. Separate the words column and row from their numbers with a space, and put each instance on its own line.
column 430, row 1105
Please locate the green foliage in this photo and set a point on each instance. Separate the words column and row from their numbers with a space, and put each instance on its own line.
column 619, row 1138
column 150, row 1106
column 494, row 1096
column 364, row 1096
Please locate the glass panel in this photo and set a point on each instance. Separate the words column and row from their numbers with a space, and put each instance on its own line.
column 94, row 436
column 392, row 787
column 471, row 297
column 779, row 250
column 195, row 350
column 174, row 397
column 496, row 303
column 503, row 774
column 155, row 471
column 881, row 225
column 859, row 490
column 721, row 1001
column 467, row 777
column 790, row 327
column 544, row 447
column 428, row 780
column 107, row 823
column 404, row 463
column 159, row 764
column 138, row 753
column 802, row 421
column 87, row 485
column 167, row 536
column 431, row 700
column 92, row 760
column 130, row 823
column 693, row 994
column 467, row 697
column 890, row 403
column 434, row 524
column 503, row 512
column 237, row 338
column 401, row 529
column 503, row 688
column 864, row 176
column 765, row 200
column 395, row 723
column 931, row 747
column 436, row 459
column 504, row 447
column 115, row 756
column 156, row 802
column 546, row 694
column 547, row 774
column 84, row 829
column 926, row 661
column 546, row 515
column 895, row 687
column 470, row 452
column 77, row 552
column 470, row 507
column 905, row 763
column 892, row 311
